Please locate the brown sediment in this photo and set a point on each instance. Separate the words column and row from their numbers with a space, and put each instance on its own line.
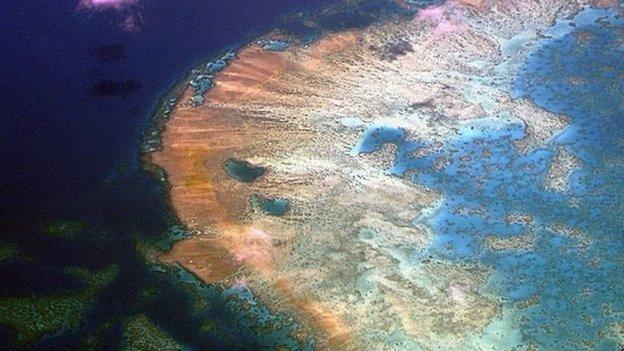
column 319, row 316
column 478, row 4
column 204, row 259
column 198, row 140
column 606, row 3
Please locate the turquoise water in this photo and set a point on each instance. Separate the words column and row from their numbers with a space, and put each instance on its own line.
column 573, row 283
column 377, row 136
column 275, row 45
column 585, row 282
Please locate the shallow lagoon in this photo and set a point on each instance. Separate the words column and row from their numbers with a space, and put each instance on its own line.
column 563, row 280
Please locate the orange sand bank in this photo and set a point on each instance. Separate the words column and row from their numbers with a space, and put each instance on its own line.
column 198, row 140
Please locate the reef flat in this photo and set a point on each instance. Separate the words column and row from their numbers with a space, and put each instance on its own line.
column 399, row 154
column 33, row 317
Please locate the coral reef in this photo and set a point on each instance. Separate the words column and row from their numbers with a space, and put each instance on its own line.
column 563, row 164
column 142, row 334
column 63, row 229
column 33, row 317
column 349, row 259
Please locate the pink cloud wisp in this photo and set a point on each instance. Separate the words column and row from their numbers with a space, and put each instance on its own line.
column 105, row 4
column 132, row 19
